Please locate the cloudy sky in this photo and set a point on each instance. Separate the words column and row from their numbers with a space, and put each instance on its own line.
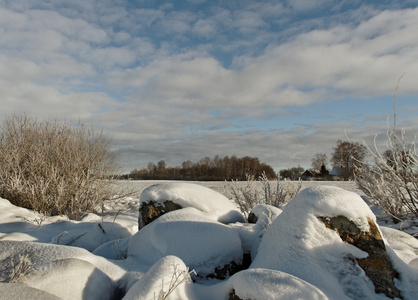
column 184, row 80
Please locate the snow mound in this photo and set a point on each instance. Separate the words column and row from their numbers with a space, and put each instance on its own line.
column 91, row 235
column 194, row 195
column 263, row 284
column 72, row 279
column 40, row 254
column 18, row 291
column 404, row 245
column 168, row 276
column 298, row 243
column 203, row 244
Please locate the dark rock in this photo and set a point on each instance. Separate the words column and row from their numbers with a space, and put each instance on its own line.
column 150, row 211
column 232, row 296
column 377, row 265
column 231, row 268
column 252, row 218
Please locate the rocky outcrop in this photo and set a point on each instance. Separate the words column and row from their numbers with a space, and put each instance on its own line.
column 377, row 265
column 149, row 211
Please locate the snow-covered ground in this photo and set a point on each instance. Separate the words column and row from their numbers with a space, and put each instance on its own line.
column 294, row 256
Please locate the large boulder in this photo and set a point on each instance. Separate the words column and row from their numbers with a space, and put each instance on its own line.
column 159, row 199
column 203, row 244
column 149, row 211
column 377, row 264
column 328, row 237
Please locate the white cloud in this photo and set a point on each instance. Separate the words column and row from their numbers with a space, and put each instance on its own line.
column 139, row 73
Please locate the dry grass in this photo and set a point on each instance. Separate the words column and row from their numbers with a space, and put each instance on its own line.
column 262, row 191
column 54, row 167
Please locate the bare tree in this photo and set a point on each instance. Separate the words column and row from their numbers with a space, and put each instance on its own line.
column 346, row 155
column 319, row 160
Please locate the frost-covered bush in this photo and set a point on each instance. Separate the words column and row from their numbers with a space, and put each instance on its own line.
column 391, row 178
column 273, row 193
column 53, row 167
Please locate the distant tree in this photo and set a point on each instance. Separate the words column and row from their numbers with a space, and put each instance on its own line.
column 161, row 165
column 346, row 155
column 292, row 173
column 319, row 160
column 218, row 168
column 151, row 167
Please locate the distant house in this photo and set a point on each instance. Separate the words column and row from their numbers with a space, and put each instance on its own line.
column 323, row 174
column 306, row 176
column 336, row 172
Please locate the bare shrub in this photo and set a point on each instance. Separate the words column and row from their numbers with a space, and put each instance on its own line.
column 273, row 193
column 178, row 277
column 54, row 167
column 391, row 178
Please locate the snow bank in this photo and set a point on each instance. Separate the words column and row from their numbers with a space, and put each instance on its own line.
column 194, row 195
column 298, row 243
column 191, row 235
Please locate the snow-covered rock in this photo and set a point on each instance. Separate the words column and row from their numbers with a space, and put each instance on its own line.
column 263, row 284
column 168, row 277
column 264, row 214
column 298, row 243
column 194, row 195
column 42, row 256
column 202, row 243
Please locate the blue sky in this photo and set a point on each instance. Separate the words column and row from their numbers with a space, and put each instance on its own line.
column 183, row 80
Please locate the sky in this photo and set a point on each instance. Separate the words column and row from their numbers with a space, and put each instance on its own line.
column 184, row 80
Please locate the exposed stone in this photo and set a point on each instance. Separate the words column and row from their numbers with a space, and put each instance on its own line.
column 252, row 218
column 377, row 265
column 232, row 296
column 150, row 211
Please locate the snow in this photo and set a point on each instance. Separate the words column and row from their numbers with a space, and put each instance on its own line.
column 103, row 257
column 194, row 195
column 159, row 281
column 298, row 243
column 263, row 284
column 17, row 291
column 190, row 235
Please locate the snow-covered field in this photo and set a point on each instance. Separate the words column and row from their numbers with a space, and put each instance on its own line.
column 294, row 256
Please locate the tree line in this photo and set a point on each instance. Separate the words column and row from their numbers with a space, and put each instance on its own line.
column 346, row 155
column 206, row 169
